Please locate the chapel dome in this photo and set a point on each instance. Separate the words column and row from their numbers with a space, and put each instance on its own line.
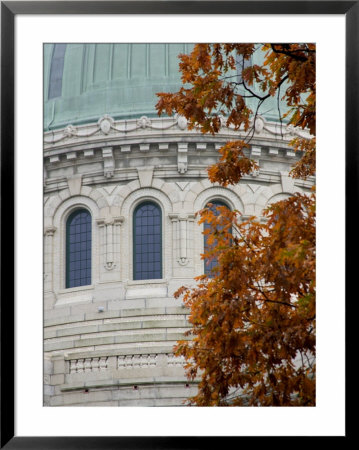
column 120, row 80
column 83, row 82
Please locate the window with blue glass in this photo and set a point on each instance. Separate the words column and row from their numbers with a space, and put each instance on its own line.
column 56, row 71
column 78, row 249
column 211, row 264
column 147, row 242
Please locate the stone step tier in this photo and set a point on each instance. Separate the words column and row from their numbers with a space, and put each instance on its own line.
column 116, row 358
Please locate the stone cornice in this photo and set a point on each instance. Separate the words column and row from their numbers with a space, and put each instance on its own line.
column 98, row 151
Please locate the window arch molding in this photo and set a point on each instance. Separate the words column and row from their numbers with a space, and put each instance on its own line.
column 128, row 207
column 72, row 209
column 219, row 193
column 219, row 199
column 60, row 218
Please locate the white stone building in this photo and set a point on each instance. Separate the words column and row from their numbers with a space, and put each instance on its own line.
column 121, row 188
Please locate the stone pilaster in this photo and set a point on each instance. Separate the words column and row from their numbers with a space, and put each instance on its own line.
column 48, row 266
column 182, row 224
column 110, row 242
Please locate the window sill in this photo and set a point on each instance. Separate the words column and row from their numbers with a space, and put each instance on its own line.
column 76, row 289
column 146, row 288
column 159, row 281
column 80, row 294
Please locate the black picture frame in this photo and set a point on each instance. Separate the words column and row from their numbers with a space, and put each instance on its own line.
column 9, row 9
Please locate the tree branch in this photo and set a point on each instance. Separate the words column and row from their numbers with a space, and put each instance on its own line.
column 290, row 53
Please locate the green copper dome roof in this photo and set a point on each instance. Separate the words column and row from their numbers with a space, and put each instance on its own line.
column 116, row 79
column 121, row 80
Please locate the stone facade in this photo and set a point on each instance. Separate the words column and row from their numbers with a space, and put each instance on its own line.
column 111, row 343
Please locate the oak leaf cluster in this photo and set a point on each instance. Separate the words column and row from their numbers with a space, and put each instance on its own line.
column 252, row 340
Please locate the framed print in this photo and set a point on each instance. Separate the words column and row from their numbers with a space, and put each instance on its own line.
column 103, row 173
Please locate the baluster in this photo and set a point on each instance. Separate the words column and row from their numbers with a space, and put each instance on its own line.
column 80, row 365
column 103, row 363
column 128, row 361
column 95, row 364
column 73, row 363
column 153, row 360
column 136, row 360
column 87, row 365
column 121, row 361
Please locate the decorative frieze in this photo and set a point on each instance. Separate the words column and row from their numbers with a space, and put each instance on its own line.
column 107, row 124
column 85, row 145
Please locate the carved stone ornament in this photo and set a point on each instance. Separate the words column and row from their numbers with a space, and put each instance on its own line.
column 50, row 231
column 259, row 124
column 182, row 122
column 183, row 261
column 182, row 167
column 223, row 121
column 70, row 130
column 144, row 122
column 109, row 265
column 105, row 123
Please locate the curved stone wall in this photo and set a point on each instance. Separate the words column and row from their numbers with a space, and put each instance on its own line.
column 111, row 343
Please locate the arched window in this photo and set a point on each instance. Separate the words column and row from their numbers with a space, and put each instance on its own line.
column 56, row 71
column 209, row 265
column 78, row 249
column 147, row 242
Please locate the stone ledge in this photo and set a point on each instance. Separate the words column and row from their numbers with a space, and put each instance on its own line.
column 87, row 330
column 155, row 381
column 132, row 312
column 158, row 349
